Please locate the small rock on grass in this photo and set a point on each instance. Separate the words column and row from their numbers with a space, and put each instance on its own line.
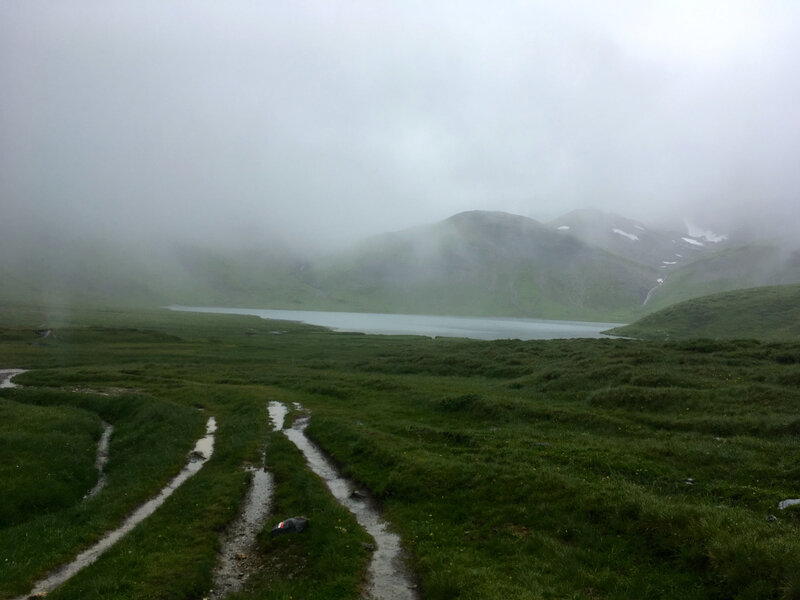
column 293, row 525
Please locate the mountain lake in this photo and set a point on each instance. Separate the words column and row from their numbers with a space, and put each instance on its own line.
column 481, row 328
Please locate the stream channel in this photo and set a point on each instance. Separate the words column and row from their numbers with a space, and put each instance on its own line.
column 388, row 577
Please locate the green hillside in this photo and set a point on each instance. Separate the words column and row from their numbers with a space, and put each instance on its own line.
column 63, row 271
column 766, row 313
column 736, row 268
column 484, row 263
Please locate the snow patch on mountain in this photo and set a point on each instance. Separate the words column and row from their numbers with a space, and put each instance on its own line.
column 631, row 236
column 693, row 242
column 564, row 228
column 703, row 234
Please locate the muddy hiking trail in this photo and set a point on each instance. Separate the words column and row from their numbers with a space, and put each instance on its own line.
column 388, row 577
column 239, row 555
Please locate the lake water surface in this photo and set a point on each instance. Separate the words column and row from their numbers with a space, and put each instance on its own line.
column 482, row 328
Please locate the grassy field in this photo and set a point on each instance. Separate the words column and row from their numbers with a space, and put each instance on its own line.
column 558, row 469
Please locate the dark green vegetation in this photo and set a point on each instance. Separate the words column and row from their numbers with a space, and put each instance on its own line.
column 54, row 450
column 476, row 263
column 770, row 313
column 560, row 469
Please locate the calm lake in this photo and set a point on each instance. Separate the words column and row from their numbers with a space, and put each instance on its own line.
column 481, row 328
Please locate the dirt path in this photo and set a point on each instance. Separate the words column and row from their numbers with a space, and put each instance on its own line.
column 239, row 556
column 388, row 576
column 203, row 450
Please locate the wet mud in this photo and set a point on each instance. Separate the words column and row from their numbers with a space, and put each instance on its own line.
column 203, row 450
column 388, row 576
column 239, row 556
column 101, row 460
column 6, row 375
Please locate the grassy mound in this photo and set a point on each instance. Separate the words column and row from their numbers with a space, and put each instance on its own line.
column 766, row 313
column 48, row 458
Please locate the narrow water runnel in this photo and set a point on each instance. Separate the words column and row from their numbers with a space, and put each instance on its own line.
column 388, row 577
column 203, row 450
column 101, row 460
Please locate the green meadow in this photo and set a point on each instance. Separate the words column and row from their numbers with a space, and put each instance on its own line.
column 609, row 468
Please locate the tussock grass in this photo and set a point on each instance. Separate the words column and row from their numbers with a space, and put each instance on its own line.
column 563, row 469
column 48, row 458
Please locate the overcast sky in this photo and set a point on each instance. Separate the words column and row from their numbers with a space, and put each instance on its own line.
column 334, row 119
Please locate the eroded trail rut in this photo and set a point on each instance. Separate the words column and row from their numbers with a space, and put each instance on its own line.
column 388, row 577
column 203, row 450
column 238, row 557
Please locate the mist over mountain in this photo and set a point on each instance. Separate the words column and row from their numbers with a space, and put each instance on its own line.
column 483, row 263
column 626, row 237
column 585, row 265
column 208, row 123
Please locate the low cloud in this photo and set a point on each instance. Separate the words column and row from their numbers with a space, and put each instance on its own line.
column 321, row 123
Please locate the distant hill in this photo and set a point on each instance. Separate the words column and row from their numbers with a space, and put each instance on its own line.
column 62, row 271
column 767, row 313
column 733, row 268
column 484, row 263
column 689, row 266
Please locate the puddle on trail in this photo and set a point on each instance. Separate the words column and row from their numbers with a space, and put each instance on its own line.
column 239, row 556
column 197, row 458
column 388, row 577
column 101, row 460
column 277, row 412
column 6, row 375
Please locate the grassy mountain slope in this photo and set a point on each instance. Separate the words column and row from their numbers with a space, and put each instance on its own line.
column 767, row 313
column 485, row 263
column 727, row 270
